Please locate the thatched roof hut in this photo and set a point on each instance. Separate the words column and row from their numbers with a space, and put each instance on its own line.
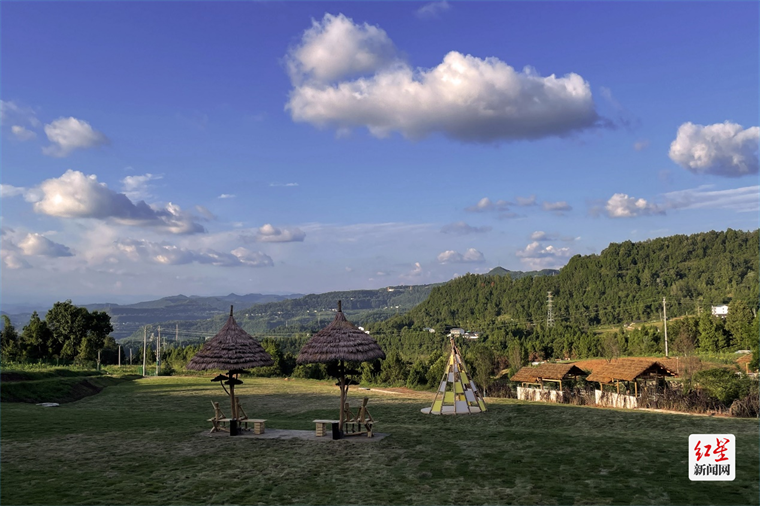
column 628, row 370
column 340, row 342
column 547, row 372
column 231, row 349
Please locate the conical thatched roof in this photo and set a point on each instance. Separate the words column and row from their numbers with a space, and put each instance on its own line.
column 340, row 340
column 231, row 349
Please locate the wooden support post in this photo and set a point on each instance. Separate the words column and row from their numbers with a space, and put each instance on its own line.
column 636, row 387
column 618, row 386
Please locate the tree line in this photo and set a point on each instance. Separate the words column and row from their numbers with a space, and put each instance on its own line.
column 67, row 333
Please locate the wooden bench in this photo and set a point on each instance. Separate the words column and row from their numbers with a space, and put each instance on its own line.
column 324, row 427
column 258, row 424
column 219, row 419
column 353, row 424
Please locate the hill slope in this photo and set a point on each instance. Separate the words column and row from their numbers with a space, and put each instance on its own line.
column 626, row 282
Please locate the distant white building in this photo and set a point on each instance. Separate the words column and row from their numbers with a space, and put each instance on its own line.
column 428, row 329
column 721, row 311
column 456, row 332
column 472, row 335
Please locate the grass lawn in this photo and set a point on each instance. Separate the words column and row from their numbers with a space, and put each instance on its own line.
column 141, row 442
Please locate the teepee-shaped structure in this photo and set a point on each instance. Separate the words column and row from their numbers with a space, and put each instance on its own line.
column 457, row 394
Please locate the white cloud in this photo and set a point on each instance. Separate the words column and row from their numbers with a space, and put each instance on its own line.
column 745, row 199
column 462, row 228
column 641, row 145
column 226, row 196
column 526, row 201
column 723, row 149
column 336, row 48
column 536, row 257
column 416, row 272
column 168, row 254
column 203, row 211
column 252, row 258
column 621, row 205
column 13, row 112
column 470, row 256
column 269, row 233
column 485, row 204
column 136, row 187
column 7, row 190
column 558, row 207
column 283, row 184
column 12, row 257
column 68, row 134
column 74, row 195
column 22, row 133
column 433, row 9
column 465, row 98
column 36, row 244
column 540, row 235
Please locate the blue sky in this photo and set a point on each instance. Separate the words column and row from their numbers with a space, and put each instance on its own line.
column 155, row 148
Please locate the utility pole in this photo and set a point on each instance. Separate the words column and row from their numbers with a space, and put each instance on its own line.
column 176, row 333
column 130, row 356
column 119, row 355
column 145, row 346
column 665, row 325
column 549, row 314
column 158, row 351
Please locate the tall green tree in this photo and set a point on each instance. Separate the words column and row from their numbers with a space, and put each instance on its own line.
column 9, row 348
column 36, row 340
column 77, row 333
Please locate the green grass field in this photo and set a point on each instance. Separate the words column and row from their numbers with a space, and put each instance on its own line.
column 142, row 442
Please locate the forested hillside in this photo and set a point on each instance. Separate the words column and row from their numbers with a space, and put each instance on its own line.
column 623, row 284
column 626, row 282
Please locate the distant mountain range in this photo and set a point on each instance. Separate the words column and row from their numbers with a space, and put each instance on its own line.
column 501, row 271
column 257, row 313
column 127, row 318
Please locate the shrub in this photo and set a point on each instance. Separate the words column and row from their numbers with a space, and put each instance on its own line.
column 724, row 384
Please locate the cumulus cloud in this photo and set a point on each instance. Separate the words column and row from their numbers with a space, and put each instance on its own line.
column 723, row 149
column 621, row 205
column 336, row 47
column 11, row 255
column 270, row 233
column 252, row 258
column 283, row 184
column 462, row 228
column 74, row 195
column 433, row 9
column 7, row 190
column 416, row 272
column 526, row 201
column 136, row 187
column 536, row 257
column 22, row 133
column 452, row 257
column 226, row 196
column 165, row 253
column 557, row 207
column 485, row 204
column 36, row 244
column 347, row 75
column 68, row 134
